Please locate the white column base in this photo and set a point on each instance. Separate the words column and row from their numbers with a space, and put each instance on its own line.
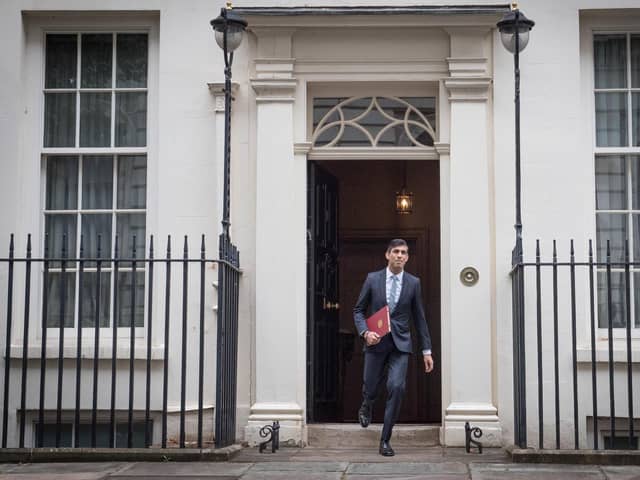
column 483, row 415
column 290, row 416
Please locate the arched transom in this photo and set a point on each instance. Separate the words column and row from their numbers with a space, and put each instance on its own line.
column 374, row 122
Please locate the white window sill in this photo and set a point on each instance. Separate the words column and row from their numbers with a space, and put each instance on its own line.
column 104, row 351
column 602, row 353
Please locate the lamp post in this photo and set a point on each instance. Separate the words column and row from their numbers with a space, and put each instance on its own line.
column 229, row 30
column 514, row 32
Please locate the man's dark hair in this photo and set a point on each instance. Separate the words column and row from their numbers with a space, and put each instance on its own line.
column 397, row 242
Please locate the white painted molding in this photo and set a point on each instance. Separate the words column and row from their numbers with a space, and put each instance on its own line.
column 373, row 153
column 467, row 67
column 436, row 68
column 274, row 90
column 471, row 411
column 442, row 148
column 302, row 148
column 274, row 68
column 217, row 90
column 276, row 411
column 468, row 89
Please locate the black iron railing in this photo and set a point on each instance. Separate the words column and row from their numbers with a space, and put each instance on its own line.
column 158, row 276
column 571, row 308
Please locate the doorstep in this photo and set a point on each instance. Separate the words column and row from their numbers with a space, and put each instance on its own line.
column 330, row 435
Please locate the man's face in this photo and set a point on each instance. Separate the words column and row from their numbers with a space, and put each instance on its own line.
column 397, row 257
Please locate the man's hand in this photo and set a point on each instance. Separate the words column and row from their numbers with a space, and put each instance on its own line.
column 428, row 363
column 371, row 338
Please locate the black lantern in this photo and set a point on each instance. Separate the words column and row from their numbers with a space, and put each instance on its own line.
column 229, row 29
column 513, row 22
column 404, row 198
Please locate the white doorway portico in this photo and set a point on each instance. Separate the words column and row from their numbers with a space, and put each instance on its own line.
column 298, row 56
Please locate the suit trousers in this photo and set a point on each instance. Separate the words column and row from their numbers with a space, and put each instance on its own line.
column 374, row 365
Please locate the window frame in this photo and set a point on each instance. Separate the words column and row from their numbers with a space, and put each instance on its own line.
column 115, row 153
column 37, row 26
column 625, row 151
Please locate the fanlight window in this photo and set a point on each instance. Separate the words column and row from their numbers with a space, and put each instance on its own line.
column 374, row 122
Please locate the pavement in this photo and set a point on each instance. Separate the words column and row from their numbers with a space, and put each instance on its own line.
column 432, row 463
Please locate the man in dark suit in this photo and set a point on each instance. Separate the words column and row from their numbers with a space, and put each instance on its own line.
column 401, row 291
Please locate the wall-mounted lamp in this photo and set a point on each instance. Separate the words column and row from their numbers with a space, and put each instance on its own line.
column 404, row 198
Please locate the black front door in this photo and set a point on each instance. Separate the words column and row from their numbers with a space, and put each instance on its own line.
column 323, row 321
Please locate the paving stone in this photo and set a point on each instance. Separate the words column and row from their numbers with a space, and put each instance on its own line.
column 535, row 472
column 184, row 477
column 407, row 468
column 435, row 476
column 293, row 476
column 54, row 476
column 312, row 467
column 66, row 468
column 621, row 473
column 186, row 469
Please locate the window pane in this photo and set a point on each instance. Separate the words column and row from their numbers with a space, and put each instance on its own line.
column 611, row 183
column 132, row 181
column 618, row 303
column 610, row 61
column 636, row 237
column 97, row 53
column 94, row 225
column 125, row 299
column 61, row 61
column 130, row 225
column 636, row 297
column 131, row 119
column 612, row 227
column 49, row 435
column 611, row 119
column 635, row 181
column 97, row 182
column 60, row 229
column 59, row 119
column 635, row 121
column 95, row 119
column 132, row 60
column 635, row 61
column 102, row 435
column 89, row 286
column 137, row 439
column 62, row 183
column 60, row 295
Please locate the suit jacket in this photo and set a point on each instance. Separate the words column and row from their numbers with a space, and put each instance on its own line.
column 373, row 297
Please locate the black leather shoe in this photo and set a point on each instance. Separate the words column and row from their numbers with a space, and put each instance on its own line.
column 385, row 449
column 364, row 415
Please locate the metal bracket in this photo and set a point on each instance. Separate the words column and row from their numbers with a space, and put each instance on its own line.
column 476, row 432
column 273, row 431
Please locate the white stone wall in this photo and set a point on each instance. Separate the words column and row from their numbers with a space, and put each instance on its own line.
column 270, row 114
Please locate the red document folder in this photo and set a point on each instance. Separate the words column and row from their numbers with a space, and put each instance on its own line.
column 380, row 322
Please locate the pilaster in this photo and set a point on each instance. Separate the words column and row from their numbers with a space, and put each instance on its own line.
column 467, row 242
column 280, row 349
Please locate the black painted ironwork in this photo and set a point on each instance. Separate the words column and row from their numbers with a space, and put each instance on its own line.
column 271, row 434
column 475, row 432
column 78, row 398
column 572, row 281
column 228, row 23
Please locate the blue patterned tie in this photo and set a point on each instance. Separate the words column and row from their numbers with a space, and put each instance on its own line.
column 393, row 295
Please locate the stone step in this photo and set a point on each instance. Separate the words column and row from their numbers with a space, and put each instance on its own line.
column 328, row 435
